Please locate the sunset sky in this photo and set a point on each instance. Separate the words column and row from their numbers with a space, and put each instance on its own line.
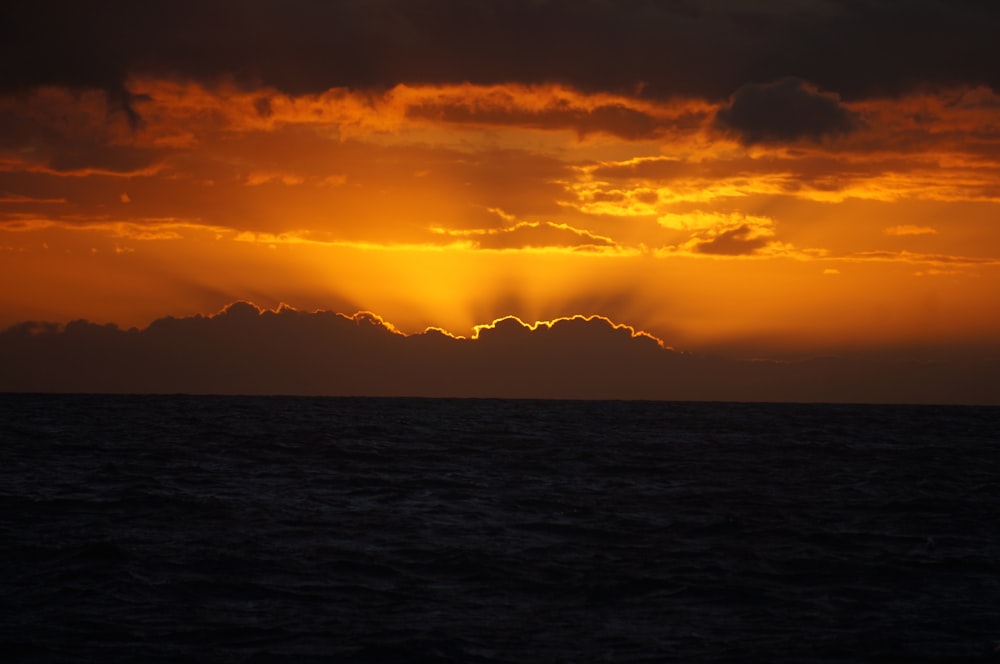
column 776, row 179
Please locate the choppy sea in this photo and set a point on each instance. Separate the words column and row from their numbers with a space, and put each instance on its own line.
column 236, row 529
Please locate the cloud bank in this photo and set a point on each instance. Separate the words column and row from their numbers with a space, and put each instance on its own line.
column 245, row 350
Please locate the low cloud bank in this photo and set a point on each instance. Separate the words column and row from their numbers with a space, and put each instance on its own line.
column 243, row 350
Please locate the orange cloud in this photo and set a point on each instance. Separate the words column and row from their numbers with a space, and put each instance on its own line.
column 549, row 108
column 910, row 229
column 18, row 198
column 175, row 113
column 533, row 235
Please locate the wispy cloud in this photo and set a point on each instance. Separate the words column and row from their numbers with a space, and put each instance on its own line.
column 910, row 229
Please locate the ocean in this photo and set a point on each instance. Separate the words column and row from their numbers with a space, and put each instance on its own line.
column 274, row 529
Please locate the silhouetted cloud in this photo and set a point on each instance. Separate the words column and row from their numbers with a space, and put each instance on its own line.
column 244, row 350
column 69, row 132
column 786, row 110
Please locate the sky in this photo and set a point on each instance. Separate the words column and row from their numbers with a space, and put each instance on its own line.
column 766, row 184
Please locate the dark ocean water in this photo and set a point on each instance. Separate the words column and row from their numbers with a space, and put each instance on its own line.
column 177, row 528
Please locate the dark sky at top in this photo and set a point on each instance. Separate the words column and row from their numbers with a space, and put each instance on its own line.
column 856, row 48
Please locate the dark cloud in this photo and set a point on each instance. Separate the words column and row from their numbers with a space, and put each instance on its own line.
column 246, row 351
column 785, row 110
column 54, row 136
column 686, row 47
column 118, row 159
column 263, row 107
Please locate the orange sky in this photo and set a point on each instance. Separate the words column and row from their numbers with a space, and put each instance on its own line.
column 781, row 219
column 454, row 205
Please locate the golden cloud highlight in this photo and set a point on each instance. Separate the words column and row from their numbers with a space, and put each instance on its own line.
column 634, row 333
column 909, row 229
column 532, row 235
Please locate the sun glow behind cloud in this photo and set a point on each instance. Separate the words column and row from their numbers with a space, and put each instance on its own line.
column 449, row 205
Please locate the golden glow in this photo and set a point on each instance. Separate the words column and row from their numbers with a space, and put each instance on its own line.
column 442, row 206
column 634, row 333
